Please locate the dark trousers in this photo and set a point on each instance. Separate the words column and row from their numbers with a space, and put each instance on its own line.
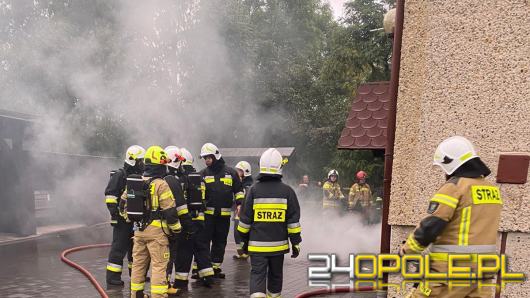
column 237, row 237
column 182, row 256
column 266, row 275
column 121, row 246
column 216, row 232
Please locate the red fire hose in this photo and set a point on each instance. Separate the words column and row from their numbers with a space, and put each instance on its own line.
column 335, row 290
column 71, row 263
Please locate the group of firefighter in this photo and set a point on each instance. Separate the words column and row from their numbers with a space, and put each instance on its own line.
column 175, row 215
column 170, row 218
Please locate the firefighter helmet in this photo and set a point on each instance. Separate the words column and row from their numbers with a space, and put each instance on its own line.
column 133, row 153
column 210, row 149
column 333, row 173
column 453, row 152
column 361, row 175
column 271, row 162
column 245, row 167
column 155, row 155
column 174, row 155
column 188, row 157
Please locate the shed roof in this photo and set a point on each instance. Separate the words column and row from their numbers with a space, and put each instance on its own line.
column 366, row 125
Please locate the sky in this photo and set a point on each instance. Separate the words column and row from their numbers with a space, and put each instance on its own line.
column 337, row 6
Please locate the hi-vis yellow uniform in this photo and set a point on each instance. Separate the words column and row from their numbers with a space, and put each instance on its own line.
column 332, row 194
column 463, row 218
column 360, row 193
column 151, row 245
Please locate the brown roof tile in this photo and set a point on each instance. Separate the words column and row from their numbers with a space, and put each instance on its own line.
column 367, row 121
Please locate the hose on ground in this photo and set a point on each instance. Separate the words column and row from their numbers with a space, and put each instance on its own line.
column 73, row 264
column 318, row 292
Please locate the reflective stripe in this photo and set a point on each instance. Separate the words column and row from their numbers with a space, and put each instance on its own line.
column 464, row 249
column 114, row 267
column 270, row 206
column 137, row 287
column 294, row 230
column 130, row 265
column 414, row 245
column 244, row 225
column 175, row 227
column 226, row 211
column 466, row 156
column 209, row 179
column 273, row 295
column 209, row 212
column 216, row 265
column 293, row 225
column 258, row 295
column 465, row 221
column 181, row 275
column 199, row 217
column 158, row 223
column 111, row 200
column 206, row 272
column 270, row 201
column 166, row 195
column 194, row 266
column 158, row 289
column 134, row 213
column 444, row 201
column 266, row 170
column 181, row 210
column 268, row 246
column 242, row 229
column 240, row 196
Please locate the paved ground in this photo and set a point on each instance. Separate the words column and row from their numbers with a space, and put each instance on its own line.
column 32, row 268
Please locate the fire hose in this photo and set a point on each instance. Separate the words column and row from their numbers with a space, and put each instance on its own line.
column 335, row 290
column 73, row 264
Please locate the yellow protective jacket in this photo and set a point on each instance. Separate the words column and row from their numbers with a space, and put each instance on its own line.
column 360, row 193
column 332, row 194
column 463, row 217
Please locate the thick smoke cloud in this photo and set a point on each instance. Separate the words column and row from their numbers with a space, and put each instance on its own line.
column 151, row 72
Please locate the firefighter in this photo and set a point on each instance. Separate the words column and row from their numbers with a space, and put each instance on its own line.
column 188, row 244
column 222, row 187
column 270, row 217
column 244, row 171
column 151, row 206
column 462, row 218
column 122, row 231
column 175, row 156
column 361, row 194
column 331, row 189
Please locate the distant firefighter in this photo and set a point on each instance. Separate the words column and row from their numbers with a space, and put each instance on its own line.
column 332, row 193
column 122, row 230
column 244, row 171
column 462, row 218
column 270, row 218
column 360, row 197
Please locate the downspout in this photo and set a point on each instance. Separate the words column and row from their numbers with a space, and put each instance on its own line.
column 391, row 130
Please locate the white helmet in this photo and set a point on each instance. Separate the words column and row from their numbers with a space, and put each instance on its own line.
column 175, row 155
column 333, row 172
column 210, row 149
column 271, row 162
column 245, row 167
column 188, row 157
column 133, row 153
column 453, row 153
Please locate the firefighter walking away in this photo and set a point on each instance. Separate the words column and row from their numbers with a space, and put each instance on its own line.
column 244, row 171
column 462, row 218
column 269, row 218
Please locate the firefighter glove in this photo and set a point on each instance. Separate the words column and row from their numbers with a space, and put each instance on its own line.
column 296, row 251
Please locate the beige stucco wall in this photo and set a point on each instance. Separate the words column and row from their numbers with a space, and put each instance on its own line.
column 465, row 70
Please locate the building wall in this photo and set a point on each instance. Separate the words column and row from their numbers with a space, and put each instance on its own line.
column 464, row 71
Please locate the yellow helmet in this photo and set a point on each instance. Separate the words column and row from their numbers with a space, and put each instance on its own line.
column 155, row 155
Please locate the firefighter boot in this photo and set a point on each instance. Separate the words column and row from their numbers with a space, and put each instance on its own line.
column 114, row 279
column 217, row 273
column 207, row 281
